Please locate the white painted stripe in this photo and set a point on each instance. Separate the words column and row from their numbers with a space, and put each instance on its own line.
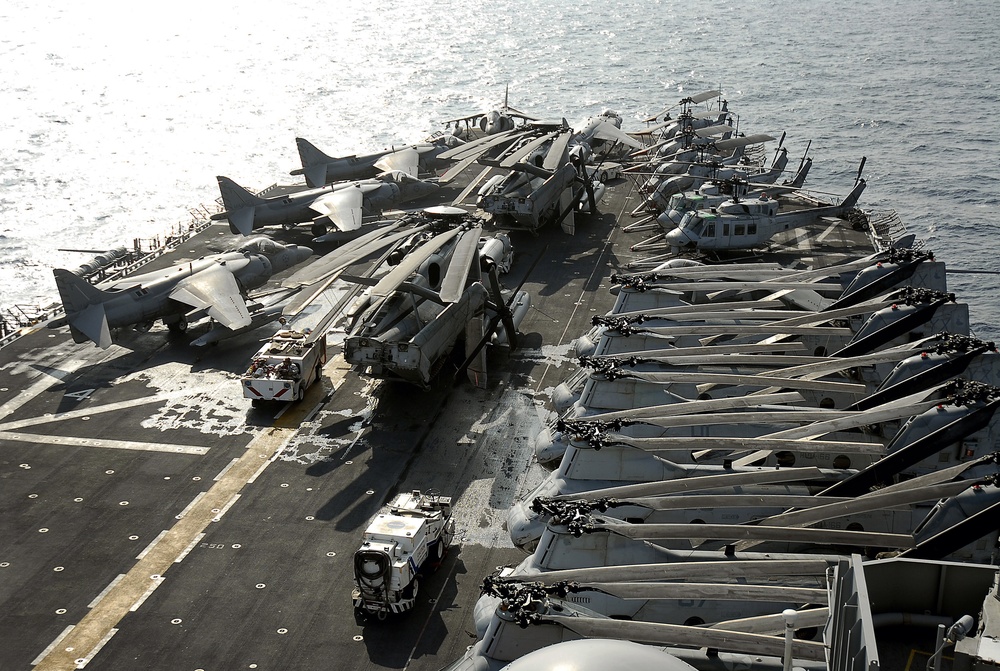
column 44, row 382
column 261, row 469
column 151, row 545
column 225, row 508
column 97, row 648
column 111, row 586
column 191, row 505
column 155, row 583
column 52, row 645
column 225, row 470
column 92, row 410
column 73, row 441
column 182, row 555
column 823, row 236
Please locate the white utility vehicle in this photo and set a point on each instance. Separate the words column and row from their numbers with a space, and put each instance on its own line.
column 284, row 367
column 406, row 540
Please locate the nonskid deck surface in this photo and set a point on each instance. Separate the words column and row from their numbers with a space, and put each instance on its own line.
column 153, row 519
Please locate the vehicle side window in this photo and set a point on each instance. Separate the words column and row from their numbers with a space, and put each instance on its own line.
column 739, row 229
column 725, row 230
column 752, row 229
column 710, row 231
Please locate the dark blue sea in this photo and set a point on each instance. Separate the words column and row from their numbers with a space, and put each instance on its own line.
column 116, row 122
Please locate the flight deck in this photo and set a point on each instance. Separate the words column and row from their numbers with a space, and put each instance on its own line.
column 154, row 519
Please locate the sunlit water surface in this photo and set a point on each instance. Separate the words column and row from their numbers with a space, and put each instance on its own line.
column 116, row 121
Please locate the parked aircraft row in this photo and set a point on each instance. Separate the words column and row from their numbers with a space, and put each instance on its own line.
column 534, row 175
column 733, row 433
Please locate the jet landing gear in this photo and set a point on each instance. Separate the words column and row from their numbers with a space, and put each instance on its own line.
column 317, row 230
column 177, row 326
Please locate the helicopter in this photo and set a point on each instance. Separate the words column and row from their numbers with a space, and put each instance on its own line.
column 440, row 287
column 750, row 224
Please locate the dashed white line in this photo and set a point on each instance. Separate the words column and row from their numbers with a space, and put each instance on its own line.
column 111, row 586
column 155, row 582
column 191, row 505
column 151, row 545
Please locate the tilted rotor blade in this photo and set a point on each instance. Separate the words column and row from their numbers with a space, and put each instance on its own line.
column 472, row 185
column 675, row 634
column 694, row 100
column 720, row 591
column 345, row 255
column 742, row 141
column 775, row 624
column 462, row 258
column 701, row 483
column 557, row 152
column 411, row 262
column 713, row 130
column 737, row 532
column 695, row 570
column 476, row 147
column 519, row 154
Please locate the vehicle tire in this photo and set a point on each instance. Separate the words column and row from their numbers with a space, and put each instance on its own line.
column 413, row 589
column 318, row 230
column 604, row 176
column 302, row 393
column 438, row 555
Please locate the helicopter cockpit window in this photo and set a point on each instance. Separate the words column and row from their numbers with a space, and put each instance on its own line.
column 696, row 226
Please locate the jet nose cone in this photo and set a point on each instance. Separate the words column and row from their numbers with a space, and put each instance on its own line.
column 292, row 256
column 301, row 253
column 423, row 188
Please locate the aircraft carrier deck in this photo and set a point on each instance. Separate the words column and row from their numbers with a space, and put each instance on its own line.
column 153, row 519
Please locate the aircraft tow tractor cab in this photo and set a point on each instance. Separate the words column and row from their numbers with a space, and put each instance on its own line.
column 284, row 367
column 406, row 541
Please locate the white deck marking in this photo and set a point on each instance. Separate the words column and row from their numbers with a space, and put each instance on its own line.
column 225, row 470
column 151, row 544
column 129, row 593
column 45, row 381
column 823, row 236
column 191, row 505
column 58, row 639
column 97, row 599
column 100, row 442
column 90, row 411
column 97, row 648
column 154, row 582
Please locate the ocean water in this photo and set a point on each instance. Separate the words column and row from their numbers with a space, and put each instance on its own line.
column 117, row 121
